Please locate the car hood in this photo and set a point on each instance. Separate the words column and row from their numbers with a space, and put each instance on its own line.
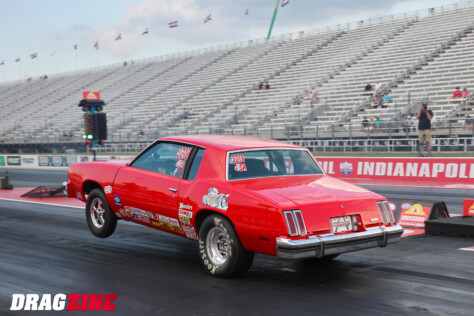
column 319, row 197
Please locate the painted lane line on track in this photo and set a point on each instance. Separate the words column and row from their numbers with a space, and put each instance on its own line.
column 42, row 203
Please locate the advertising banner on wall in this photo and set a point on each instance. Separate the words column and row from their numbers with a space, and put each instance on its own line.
column 29, row 161
column 2, row 160
column 13, row 161
column 420, row 169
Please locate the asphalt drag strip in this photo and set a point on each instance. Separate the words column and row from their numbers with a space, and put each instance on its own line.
column 49, row 249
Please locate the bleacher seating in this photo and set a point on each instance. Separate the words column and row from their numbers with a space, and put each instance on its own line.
column 414, row 56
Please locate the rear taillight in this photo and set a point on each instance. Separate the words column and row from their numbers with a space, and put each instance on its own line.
column 291, row 223
column 295, row 222
column 385, row 212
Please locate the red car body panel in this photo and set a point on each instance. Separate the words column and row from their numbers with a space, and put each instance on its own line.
column 255, row 206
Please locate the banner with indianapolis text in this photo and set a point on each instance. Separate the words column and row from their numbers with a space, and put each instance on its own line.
column 420, row 169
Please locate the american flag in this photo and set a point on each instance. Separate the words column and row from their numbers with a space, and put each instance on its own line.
column 285, row 2
column 2, row 63
column 173, row 24
column 119, row 37
column 33, row 56
column 96, row 45
column 75, row 46
column 208, row 18
column 145, row 32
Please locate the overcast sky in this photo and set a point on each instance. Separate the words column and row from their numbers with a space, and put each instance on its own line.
column 51, row 28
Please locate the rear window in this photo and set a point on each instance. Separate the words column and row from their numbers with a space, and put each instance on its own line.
column 271, row 163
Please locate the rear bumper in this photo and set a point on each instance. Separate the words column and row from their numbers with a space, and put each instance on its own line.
column 330, row 244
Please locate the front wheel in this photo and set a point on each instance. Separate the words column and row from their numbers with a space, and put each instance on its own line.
column 100, row 218
column 220, row 249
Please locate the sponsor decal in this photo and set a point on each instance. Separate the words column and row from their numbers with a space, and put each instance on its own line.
column 117, row 200
column 141, row 218
column 123, row 212
column 13, row 161
column 118, row 214
column 168, row 223
column 174, row 222
column 415, row 216
column 184, row 219
column 189, row 231
column 345, row 168
column 180, row 163
column 2, row 160
column 162, row 218
column 185, row 207
column 108, row 189
column 128, row 211
column 214, row 199
column 240, row 167
column 61, row 302
column 237, row 158
column 185, row 213
column 140, row 212
column 183, row 153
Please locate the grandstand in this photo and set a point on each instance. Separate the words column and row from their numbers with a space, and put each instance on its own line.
column 418, row 57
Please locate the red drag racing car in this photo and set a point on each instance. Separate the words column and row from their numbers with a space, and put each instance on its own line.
column 236, row 196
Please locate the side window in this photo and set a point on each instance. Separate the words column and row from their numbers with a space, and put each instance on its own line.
column 196, row 163
column 165, row 158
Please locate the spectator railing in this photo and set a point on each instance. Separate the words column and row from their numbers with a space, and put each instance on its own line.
column 408, row 143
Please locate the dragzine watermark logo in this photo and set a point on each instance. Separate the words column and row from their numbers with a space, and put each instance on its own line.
column 63, row 302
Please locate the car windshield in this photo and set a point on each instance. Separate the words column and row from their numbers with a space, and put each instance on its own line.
column 271, row 163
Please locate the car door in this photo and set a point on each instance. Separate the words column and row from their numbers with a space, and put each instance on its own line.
column 148, row 188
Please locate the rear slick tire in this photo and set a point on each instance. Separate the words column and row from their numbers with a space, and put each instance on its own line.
column 100, row 218
column 220, row 250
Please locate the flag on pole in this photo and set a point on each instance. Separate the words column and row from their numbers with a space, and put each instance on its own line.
column 247, row 11
column 17, row 60
column 33, row 56
column 284, row 3
column 96, row 45
column 75, row 46
column 2, row 63
column 208, row 18
column 52, row 54
column 173, row 24
column 145, row 32
column 119, row 37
